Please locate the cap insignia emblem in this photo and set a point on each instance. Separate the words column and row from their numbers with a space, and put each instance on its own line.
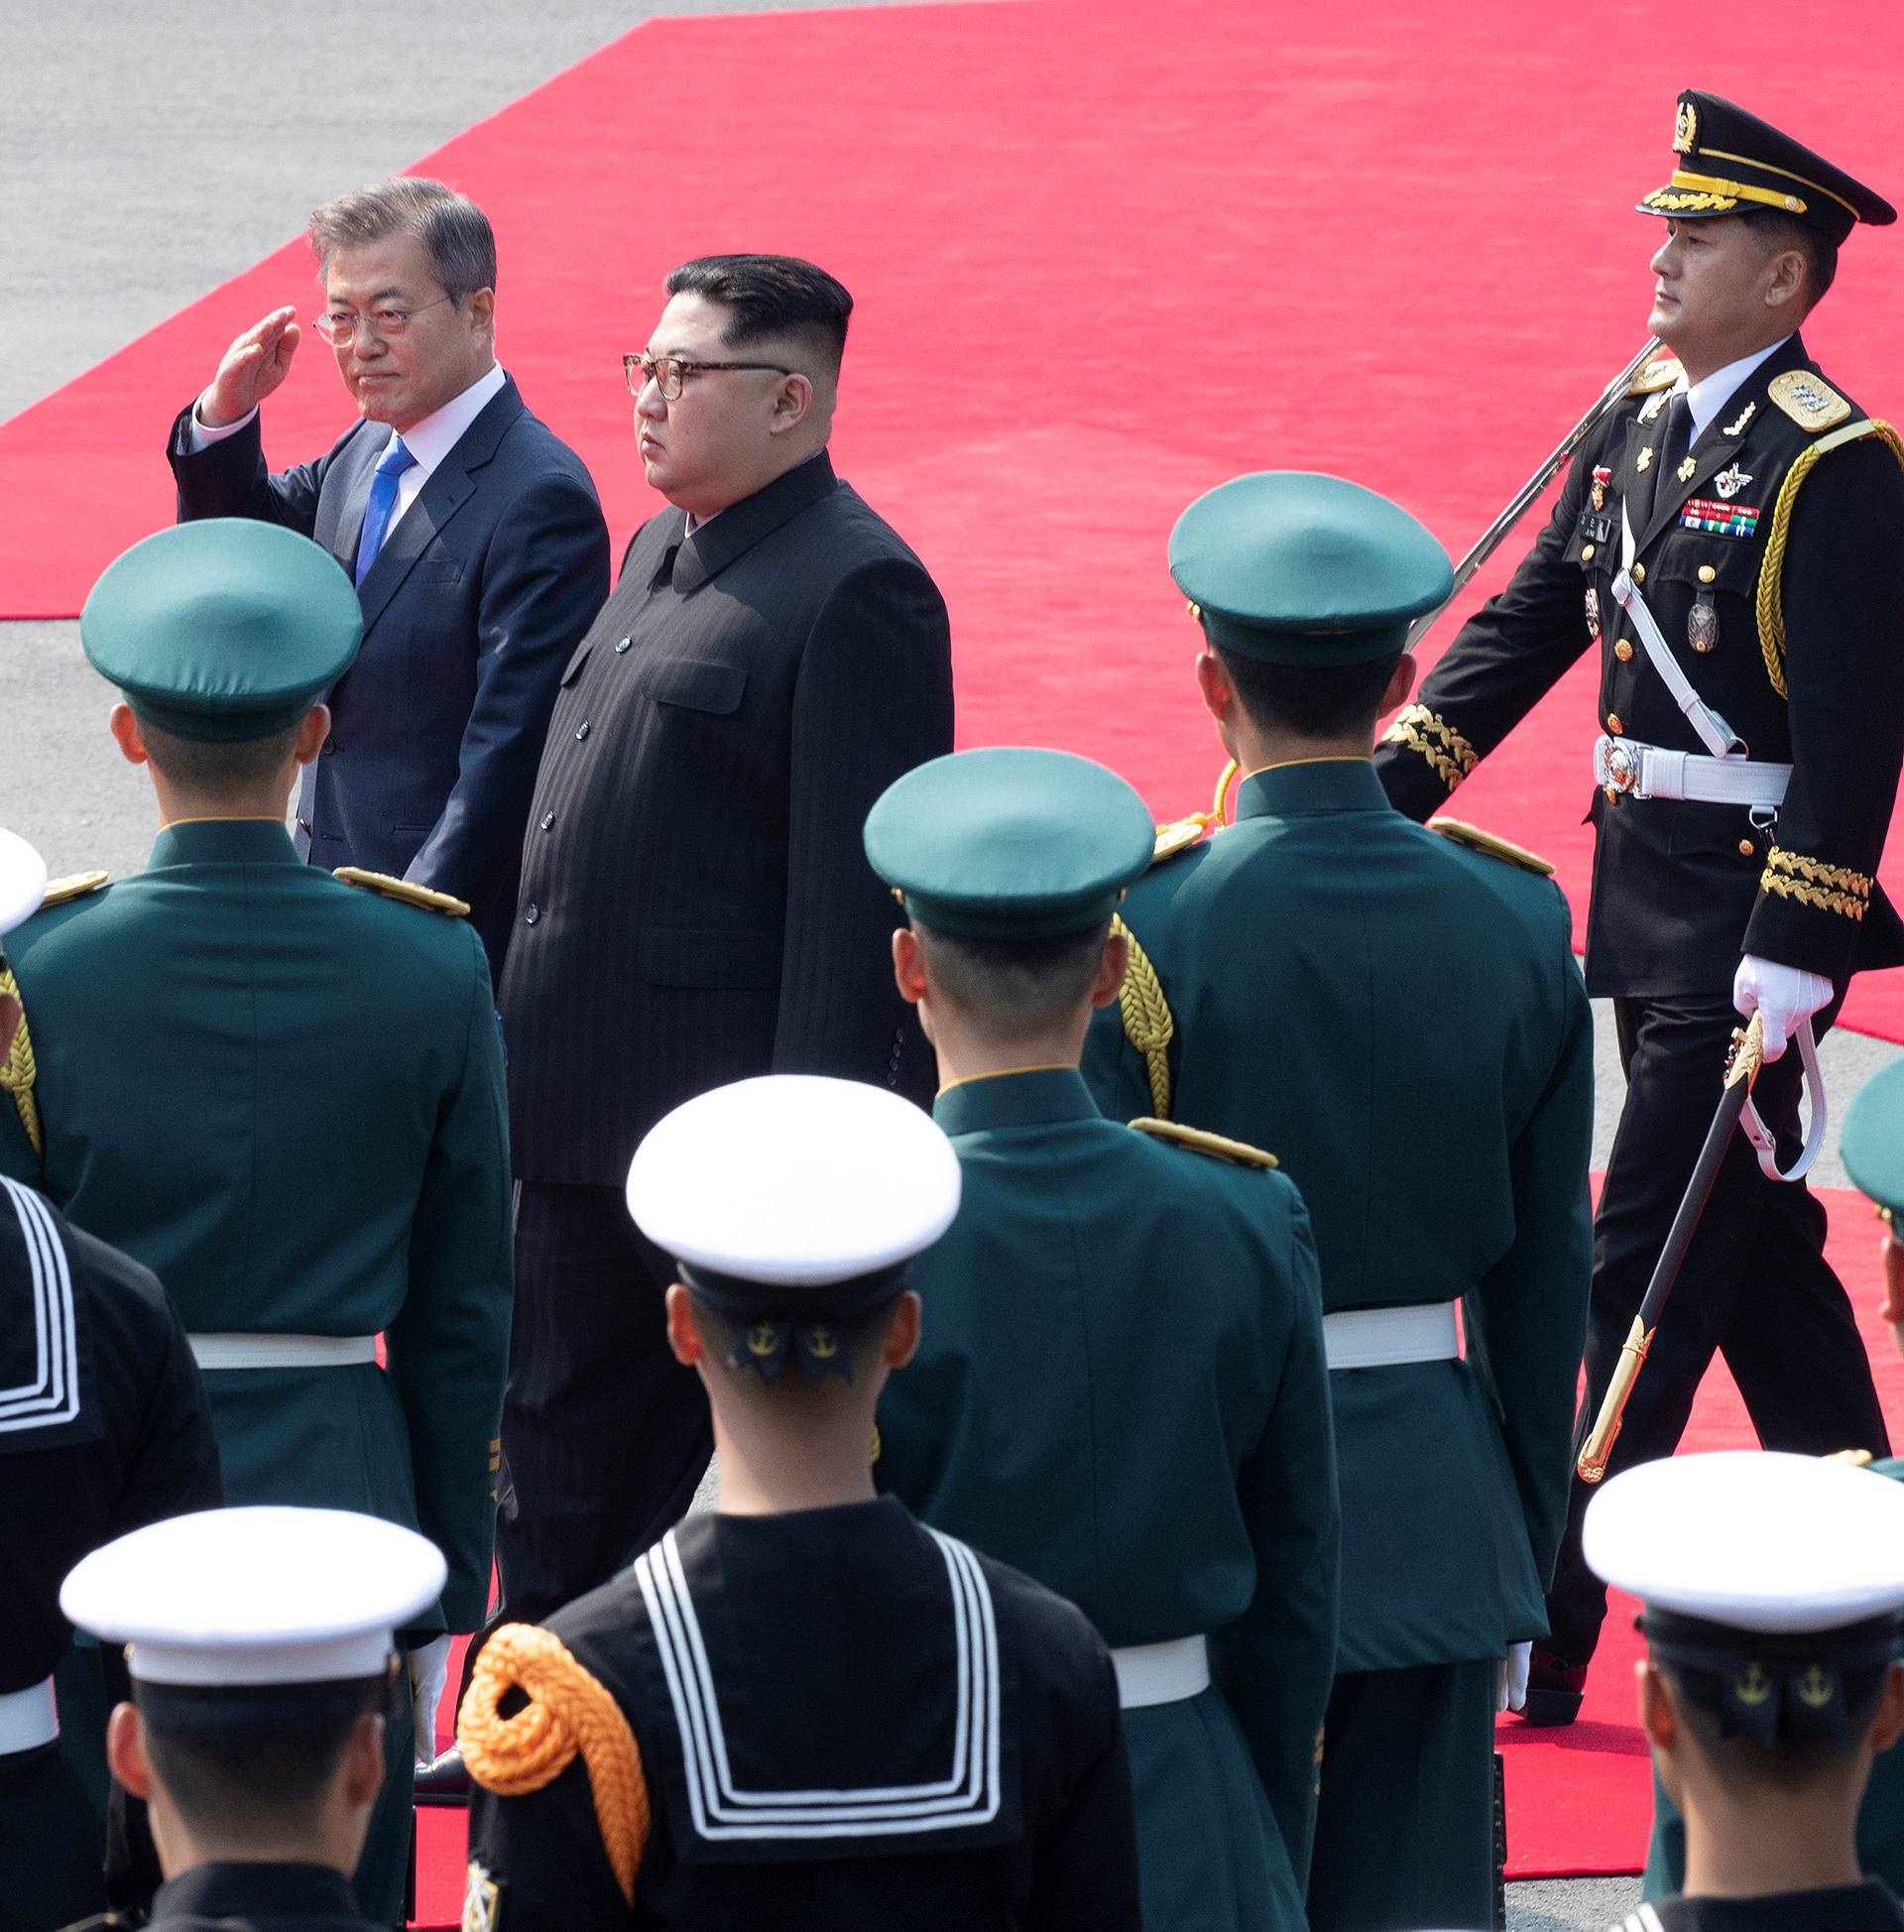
column 822, row 1344
column 762, row 1339
column 1816, row 1688
column 1728, row 482
column 1752, row 1686
column 1685, row 128
column 1737, row 427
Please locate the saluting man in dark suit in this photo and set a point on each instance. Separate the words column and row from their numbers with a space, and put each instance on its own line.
column 695, row 905
column 1728, row 541
column 472, row 532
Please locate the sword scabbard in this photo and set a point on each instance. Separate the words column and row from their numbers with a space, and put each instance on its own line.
column 1599, row 1445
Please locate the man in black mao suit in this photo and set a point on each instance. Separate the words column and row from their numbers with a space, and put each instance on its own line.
column 472, row 532
column 696, row 906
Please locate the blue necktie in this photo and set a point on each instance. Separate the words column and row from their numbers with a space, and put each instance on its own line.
column 383, row 499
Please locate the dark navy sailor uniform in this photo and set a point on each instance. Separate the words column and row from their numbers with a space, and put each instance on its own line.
column 846, row 1721
column 1868, row 1907
column 257, row 1898
column 104, row 1426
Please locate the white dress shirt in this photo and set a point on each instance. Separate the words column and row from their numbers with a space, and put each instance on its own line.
column 1710, row 395
column 430, row 440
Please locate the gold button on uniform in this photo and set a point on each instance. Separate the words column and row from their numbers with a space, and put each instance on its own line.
column 1744, row 848
column 1614, row 724
column 1706, row 574
column 1639, row 573
column 1586, row 553
column 1622, row 650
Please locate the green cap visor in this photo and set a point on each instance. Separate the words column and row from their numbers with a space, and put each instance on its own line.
column 1873, row 1141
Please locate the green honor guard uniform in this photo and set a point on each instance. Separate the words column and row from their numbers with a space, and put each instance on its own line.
column 1873, row 1149
column 1772, row 1588
column 262, row 1653
column 1120, row 1388
column 1398, row 1016
column 282, row 1094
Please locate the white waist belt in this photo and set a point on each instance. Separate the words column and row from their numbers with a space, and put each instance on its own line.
column 28, row 1719
column 1162, row 1673
column 282, row 1351
column 1650, row 771
column 1384, row 1337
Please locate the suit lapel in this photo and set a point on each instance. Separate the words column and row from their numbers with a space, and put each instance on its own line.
column 341, row 504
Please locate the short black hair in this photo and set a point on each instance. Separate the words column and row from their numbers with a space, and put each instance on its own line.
column 258, row 1757
column 1789, row 1764
column 1015, row 986
column 769, row 296
column 1312, row 700
column 217, row 767
column 1778, row 230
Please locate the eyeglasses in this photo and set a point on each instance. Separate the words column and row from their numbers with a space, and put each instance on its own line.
column 670, row 372
column 338, row 327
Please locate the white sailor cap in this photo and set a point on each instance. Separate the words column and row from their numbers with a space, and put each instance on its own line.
column 1752, row 1541
column 23, row 881
column 794, row 1182
column 255, row 1596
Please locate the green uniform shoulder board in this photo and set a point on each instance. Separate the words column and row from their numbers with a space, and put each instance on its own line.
column 1661, row 373
column 1180, row 835
column 1218, row 1146
column 382, row 884
column 76, row 885
column 1809, row 401
column 1477, row 840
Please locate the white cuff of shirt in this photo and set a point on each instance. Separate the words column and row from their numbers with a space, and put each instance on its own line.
column 201, row 436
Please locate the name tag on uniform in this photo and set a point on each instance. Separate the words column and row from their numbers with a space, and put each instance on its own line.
column 1594, row 529
column 1719, row 518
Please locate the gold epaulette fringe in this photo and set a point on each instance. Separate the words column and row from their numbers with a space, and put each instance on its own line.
column 1472, row 836
column 1771, row 615
column 568, row 1712
column 1147, row 1019
column 17, row 1071
column 1219, row 1145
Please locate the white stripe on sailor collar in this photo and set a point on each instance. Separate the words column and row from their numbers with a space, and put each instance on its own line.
column 720, row 1810
column 52, row 1397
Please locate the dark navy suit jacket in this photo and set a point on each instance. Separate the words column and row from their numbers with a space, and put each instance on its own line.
column 475, row 602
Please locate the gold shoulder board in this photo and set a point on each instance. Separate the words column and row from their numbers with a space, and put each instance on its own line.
column 76, row 885
column 1477, row 840
column 1809, row 401
column 1179, row 836
column 1220, row 1145
column 382, row 884
column 1855, row 1458
column 1661, row 373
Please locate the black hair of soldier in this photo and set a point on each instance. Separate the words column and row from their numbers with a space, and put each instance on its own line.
column 1747, row 1761
column 1778, row 230
column 215, row 769
column 254, row 1755
column 770, row 298
column 1311, row 700
column 1015, row 986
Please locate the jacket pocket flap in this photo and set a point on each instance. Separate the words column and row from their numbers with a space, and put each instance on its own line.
column 694, row 684
column 684, row 955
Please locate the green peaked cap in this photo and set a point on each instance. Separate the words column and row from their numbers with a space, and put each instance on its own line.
column 1300, row 569
column 222, row 630
column 1009, row 843
column 1872, row 1143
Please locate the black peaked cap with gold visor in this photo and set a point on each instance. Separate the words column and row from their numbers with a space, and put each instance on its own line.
column 1729, row 162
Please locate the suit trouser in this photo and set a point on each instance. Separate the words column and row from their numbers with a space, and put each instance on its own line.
column 605, row 1435
column 1754, row 1284
column 1405, row 1817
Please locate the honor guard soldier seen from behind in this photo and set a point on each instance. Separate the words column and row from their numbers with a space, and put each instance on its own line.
column 805, row 1710
column 264, row 1674
column 103, row 1427
column 1731, row 542
column 1400, row 1017
column 282, row 1094
column 1873, row 1149
column 1772, row 1587
column 1120, row 1387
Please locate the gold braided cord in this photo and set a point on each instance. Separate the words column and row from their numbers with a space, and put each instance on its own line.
column 1771, row 615
column 1824, row 902
column 1445, row 749
column 568, row 1712
column 1147, row 1019
column 1819, row 872
column 1814, row 883
column 17, row 1072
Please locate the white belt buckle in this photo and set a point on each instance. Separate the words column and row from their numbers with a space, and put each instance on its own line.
column 1616, row 765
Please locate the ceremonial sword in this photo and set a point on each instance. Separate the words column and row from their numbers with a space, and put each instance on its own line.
column 1741, row 1069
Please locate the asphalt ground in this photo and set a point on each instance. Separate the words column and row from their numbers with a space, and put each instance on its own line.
column 151, row 149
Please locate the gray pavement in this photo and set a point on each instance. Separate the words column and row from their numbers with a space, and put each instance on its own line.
column 152, row 149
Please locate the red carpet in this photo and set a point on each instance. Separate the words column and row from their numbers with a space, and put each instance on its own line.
column 1107, row 255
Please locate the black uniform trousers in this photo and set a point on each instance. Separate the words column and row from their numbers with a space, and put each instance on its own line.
column 1754, row 1285
column 605, row 1435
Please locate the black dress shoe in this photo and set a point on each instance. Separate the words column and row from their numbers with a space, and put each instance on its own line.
column 442, row 1782
column 1554, row 1688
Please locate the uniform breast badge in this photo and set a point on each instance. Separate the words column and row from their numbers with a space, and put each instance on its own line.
column 1728, row 482
column 1702, row 623
column 1593, row 612
column 1601, row 477
column 1719, row 518
column 1646, row 459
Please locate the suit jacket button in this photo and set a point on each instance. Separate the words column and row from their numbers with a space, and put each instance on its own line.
column 1614, row 724
column 531, row 912
column 1744, row 848
column 1623, row 650
column 1586, row 553
column 581, row 731
column 548, row 820
column 622, row 644
column 1706, row 574
column 1639, row 573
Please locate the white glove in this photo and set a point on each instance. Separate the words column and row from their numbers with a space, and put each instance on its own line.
column 1511, row 1678
column 1782, row 995
column 428, row 1677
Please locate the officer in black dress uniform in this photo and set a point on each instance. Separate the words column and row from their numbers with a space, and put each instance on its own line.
column 264, row 1664
column 103, row 1426
column 1774, row 1585
column 1730, row 539
column 806, row 1708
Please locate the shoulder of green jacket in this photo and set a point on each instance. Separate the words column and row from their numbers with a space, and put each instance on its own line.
column 1218, row 1146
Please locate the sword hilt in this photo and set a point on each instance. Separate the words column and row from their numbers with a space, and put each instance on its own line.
column 1592, row 1464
